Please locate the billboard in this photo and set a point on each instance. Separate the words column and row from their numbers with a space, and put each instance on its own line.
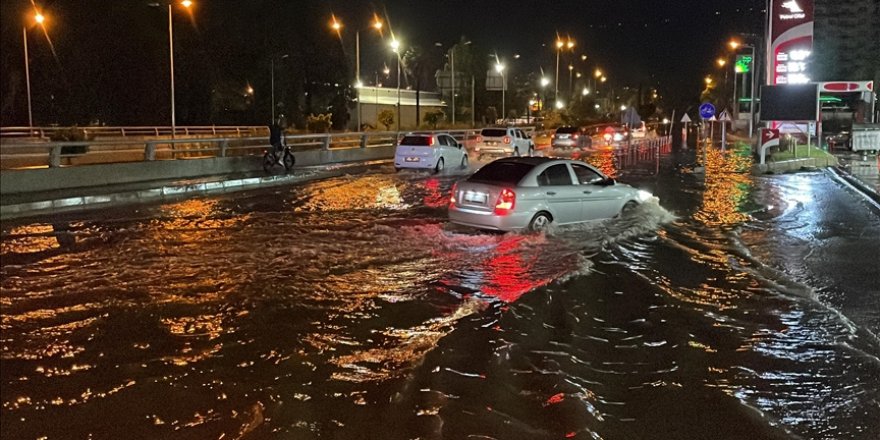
column 790, row 42
column 790, row 102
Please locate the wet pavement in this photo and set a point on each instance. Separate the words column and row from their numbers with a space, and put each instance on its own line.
column 737, row 307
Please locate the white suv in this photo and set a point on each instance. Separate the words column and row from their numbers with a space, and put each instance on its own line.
column 502, row 141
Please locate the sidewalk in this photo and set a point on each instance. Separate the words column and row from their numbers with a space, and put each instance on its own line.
column 80, row 199
column 863, row 172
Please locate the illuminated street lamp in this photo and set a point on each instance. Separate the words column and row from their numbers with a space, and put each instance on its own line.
column 559, row 46
column 40, row 19
column 186, row 4
column 336, row 25
column 721, row 62
column 395, row 47
column 708, row 80
column 500, row 69
column 585, row 91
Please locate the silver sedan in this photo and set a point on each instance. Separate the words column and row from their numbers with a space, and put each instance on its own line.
column 530, row 193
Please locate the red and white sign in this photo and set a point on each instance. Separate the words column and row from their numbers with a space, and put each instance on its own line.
column 791, row 41
column 846, row 86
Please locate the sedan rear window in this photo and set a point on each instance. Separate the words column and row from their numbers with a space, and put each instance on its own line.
column 502, row 172
column 418, row 141
column 567, row 130
column 493, row 132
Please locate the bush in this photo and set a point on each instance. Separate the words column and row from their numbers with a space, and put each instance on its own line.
column 320, row 123
column 386, row 118
column 433, row 118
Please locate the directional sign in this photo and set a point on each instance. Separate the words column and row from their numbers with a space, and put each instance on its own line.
column 685, row 118
column 707, row 110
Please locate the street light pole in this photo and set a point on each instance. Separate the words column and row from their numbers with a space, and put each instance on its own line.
column 452, row 62
column 27, row 77
column 357, row 80
column 171, row 58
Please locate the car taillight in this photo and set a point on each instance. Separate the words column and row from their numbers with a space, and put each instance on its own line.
column 431, row 141
column 506, row 139
column 574, row 137
column 553, row 136
column 454, row 192
column 506, row 202
column 479, row 139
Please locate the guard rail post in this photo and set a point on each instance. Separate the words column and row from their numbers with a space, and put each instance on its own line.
column 363, row 140
column 55, row 157
column 326, row 142
column 224, row 145
column 150, row 151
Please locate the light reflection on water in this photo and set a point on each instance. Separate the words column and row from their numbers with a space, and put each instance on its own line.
column 348, row 308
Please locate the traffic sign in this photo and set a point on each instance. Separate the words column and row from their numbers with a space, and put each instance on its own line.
column 685, row 118
column 707, row 110
column 724, row 116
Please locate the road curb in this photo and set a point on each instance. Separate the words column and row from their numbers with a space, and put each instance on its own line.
column 848, row 179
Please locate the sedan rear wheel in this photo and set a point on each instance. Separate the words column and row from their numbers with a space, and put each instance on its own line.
column 515, row 151
column 464, row 162
column 439, row 167
column 540, row 222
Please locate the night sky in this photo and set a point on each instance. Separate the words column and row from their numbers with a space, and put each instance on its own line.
column 112, row 65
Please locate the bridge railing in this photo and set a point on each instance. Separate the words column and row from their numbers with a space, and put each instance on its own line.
column 29, row 154
column 11, row 134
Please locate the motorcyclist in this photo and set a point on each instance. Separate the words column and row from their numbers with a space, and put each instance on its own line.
column 276, row 140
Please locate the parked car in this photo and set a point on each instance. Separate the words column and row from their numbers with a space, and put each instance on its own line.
column 571, row 137
column 429, row 151
column 501, row 141
column 530, row 193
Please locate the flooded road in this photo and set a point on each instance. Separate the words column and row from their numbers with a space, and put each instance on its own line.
column 737, row 307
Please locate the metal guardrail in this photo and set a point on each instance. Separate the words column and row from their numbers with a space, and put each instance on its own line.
column 29, row 154
column 45, row 133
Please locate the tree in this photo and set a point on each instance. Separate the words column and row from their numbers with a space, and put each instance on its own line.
column 433, row 118
column 320, row 123
column 386, row 118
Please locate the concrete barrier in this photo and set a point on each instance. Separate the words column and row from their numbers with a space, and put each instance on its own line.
column 22, row 181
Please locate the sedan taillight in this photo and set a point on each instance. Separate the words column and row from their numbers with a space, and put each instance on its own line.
column 454, row 192
column 479, row 139
column 506, row 202
column 506, row 139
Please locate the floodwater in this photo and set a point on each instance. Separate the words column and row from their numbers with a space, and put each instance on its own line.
column 736, row 307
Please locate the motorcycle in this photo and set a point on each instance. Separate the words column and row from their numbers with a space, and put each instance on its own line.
column 275, row 157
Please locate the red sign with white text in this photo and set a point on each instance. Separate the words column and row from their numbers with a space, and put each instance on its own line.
column 791, row 41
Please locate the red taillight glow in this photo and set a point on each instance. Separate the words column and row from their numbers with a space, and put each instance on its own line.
column 506, row 139
column 552, row 136
column 506, row 202
column 574, row 137
column 431, row 141
column 454, row 192
column 479, row 139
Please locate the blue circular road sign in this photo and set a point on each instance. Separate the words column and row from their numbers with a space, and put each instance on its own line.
column 707, row 110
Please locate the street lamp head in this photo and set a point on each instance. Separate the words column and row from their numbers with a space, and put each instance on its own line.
column 250, row 90
column 721, row 62
column 560, row 105
column 559, row 44
column 499, row 67
column 570, row 44
column 335, row 24
column 395, row 45
column 39, row 18
column 623, row 108
column 583, row 57
column 604, row 79
column 665, row 120
column 545, row 82
column 585, row 92
column 598, row 73
column 708, row 80
column 377, row 24
column 570, row 67
column 186, row 3
column 735, row 44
